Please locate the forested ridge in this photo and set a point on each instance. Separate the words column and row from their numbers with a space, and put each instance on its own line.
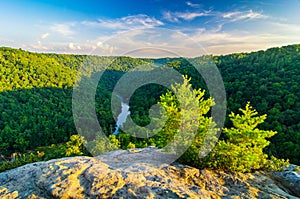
column 270, row 81
column 36, row 95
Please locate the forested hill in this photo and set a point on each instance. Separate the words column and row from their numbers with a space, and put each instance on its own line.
column 36, row 92
column 270, row 81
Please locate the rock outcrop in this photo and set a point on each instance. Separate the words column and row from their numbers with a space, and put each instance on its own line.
column 289, row 179
column 130, row 174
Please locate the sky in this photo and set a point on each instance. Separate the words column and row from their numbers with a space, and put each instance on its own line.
column 150, row 28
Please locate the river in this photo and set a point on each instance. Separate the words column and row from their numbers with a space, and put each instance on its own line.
column 122, row 116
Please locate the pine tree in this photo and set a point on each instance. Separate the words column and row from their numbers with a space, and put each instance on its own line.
column 187, row 124
column 242, row 150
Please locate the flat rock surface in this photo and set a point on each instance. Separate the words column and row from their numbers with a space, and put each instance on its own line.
column 134, row 174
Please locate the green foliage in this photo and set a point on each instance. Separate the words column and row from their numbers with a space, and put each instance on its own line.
column 113, row 139
column 75, row 146
column 270, row 81
column 173, row 64
column 71, row 148
column 242, row 150
column 19, row 160
column 186, row 112
column 36, row 94
column 130, row 145
column 101, row 145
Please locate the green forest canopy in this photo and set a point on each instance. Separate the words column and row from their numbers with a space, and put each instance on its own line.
column 36, row 94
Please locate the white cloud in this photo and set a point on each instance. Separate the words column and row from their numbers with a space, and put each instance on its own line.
column 170, row 16
column 44, row 36
column 159, row 42
column 125, row 23
column 245, row 41
column 287, row 27
column 188, row 16
column 218, row 28
column 72, row 46
column 156, row 42
column 141, row 20
column 106, row 48
column 193, row 5
column 38, row 45
column 63, row 28
column 238, row 15
column 231, row 16
column 124, row 35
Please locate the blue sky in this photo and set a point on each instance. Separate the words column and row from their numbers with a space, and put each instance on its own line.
column 187, row 28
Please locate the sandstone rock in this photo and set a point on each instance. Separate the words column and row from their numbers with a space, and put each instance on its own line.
column 290, row 180
column 126, row 174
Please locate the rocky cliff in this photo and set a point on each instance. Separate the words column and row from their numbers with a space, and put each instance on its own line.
column 130, row 174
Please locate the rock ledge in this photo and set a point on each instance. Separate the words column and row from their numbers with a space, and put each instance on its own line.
column 112, row 175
